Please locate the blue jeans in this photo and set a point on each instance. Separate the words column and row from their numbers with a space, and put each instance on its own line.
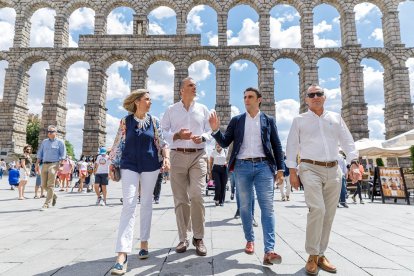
column 258, row 175
column 342, row 197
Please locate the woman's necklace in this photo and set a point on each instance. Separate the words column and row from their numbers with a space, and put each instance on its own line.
column 142, row 123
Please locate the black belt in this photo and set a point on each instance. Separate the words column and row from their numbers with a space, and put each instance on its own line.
column 187, row 149
column 256, row 159
column 220, row 165
column 328, row 164
column 45, row 162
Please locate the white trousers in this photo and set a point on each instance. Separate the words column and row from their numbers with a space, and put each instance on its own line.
column 130, row 183
column 322, row 186
column 282, row 187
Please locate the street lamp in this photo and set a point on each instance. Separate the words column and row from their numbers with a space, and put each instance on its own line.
column 406, row 117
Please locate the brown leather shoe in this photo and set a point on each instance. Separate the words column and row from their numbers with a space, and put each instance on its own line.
column 271, row 258
column 312, row 265
column 182, row 247
column 249, row 249
column 201, row 249
column 324, row 264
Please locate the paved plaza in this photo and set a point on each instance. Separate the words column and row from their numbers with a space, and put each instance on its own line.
column 78, row 238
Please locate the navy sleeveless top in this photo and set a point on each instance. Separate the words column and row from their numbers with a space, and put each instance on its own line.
column 140, row 153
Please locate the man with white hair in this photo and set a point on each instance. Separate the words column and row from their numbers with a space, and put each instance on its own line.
column 52, row 152
column 314, row 136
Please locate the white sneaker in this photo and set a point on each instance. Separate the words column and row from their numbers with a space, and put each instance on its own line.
column 98, row 200
column 103, row 203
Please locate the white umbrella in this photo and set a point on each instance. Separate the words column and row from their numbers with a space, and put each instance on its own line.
column 404, row 139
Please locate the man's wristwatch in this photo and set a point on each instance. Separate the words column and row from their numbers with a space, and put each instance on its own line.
column 203, row 139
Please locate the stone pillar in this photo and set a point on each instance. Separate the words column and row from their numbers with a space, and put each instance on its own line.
column 222, row 28
column 348, row 29
column 181, row 23
column 94, row 129
column 266, row 87
column 54, row 105
column 223, row 107
column 179, row 75
column 391, row 29
column 264, row 22
column 307, row 76
column 306, row 29
column 354, row 109
column 61, row 32
column 14, row 111
column 140, row 24
column 21, row 32
column 100, row 24
column 397, row 102
column 138, row 78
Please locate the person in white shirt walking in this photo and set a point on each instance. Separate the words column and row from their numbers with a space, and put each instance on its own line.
column 101, row 171
column 314, row 135
column 218, row 167
column 185, row 126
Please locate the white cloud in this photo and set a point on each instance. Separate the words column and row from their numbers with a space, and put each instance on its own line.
column 376, row 129
column 322, row 27
column 376, row 112
column 377, row 35
column 199, row 70
column 7, row 19
column 239, row 66
column 117, row 87
column 333, row 99
column 43, row 28
column 112, row 125
column 78, row 73
column 162, row 12
column 234, row 110
column 116, row 24
column 362, row 10
column 161, row 81
column 74, row 126
column 3, row 67
column 336, row 20
column 279, row 38
column 82, row 18
column 325, row 43
column 194, row 23
column 37, row 82
column 155, row 29
column 212, row 39
column 286, row 111
column 373, row 85
column 410, row 65
column 248, row 35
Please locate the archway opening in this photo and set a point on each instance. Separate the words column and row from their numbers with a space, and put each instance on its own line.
column 3, row 66
column 243, row 26
column 162, row 21
column 120, row 21
column 42, row 31
column 368, row 25
column 284, row 27
column 243, row 74
column 329, row 72
column 202, row 19
column 7, row 21
column 81, row 22
column 405, row 12
column 326, row 28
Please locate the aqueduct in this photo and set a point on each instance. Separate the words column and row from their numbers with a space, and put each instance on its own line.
column 141, row 50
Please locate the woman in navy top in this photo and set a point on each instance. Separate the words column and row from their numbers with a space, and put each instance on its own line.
column 140, row 151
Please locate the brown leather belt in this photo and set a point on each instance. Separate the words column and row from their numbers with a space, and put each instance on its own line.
column 187, row 150
column 255, row 160
column 329, row 164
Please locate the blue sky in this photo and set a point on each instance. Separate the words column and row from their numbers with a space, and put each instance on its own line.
column 243, row 29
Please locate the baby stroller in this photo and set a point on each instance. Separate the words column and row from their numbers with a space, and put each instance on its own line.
column 210, row 186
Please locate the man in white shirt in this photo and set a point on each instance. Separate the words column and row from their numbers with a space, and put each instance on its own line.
column 185, row 126
column 257, row 160
column 314, row 136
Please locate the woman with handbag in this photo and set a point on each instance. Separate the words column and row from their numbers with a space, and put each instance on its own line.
column 139, row 152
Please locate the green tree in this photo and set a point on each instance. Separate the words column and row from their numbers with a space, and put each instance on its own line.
column 412, row 157
column 32, row 131
column 379, row 162
column 69, row 149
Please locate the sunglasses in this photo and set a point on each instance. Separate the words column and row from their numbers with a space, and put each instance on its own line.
column 312, row 95
column 51, row 131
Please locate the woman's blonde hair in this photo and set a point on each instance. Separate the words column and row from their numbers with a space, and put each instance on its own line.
column 129, row 102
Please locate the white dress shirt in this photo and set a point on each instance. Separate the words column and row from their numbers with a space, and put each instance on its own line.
column 318, row 138
column 252, row 146
column 176, row 117
column 219, row 158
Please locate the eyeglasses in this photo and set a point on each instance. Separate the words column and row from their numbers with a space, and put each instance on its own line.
column 312, row 95
column 51, row 131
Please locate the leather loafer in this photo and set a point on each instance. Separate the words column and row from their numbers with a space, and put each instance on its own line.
column 324, row 264
column 249, row 249
column 271, row 258
column 201, row 249
column 182, row 247
column 312, row 265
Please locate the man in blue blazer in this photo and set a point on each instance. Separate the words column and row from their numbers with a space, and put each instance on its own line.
column 257, row 161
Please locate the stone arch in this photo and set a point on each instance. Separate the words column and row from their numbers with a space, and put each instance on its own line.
column 340, row 6
column 27, row 60
column 299, row 58
column 111, row 5
column 161, row 3
column 211, row 3
column 77, row 4
column 203, row 54
column 109, row 58
column 7, row 4
column 384, row 6
column 160, row 55
column 249, row 54
column 297, row 4
column 35, row 5
column 69, row 58
column 339, row 55
column 409, row 54
column 256, row 5
column 383, row 56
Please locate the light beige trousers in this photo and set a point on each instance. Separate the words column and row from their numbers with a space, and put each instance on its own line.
column 322, row 188
column 48, row 176
column 188, row 179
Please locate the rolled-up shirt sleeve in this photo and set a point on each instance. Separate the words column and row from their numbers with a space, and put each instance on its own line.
column 166, row 127
column 292, row 147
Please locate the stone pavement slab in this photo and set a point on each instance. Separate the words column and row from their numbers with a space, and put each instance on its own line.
column 78, row 238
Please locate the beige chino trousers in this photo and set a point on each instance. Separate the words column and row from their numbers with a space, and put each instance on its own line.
column 188, row 179
column 322, row 188
column 48, row 176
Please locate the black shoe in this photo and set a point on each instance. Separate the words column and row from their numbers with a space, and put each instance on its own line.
column 344, row 204
column 237, row 215
column 232, row 196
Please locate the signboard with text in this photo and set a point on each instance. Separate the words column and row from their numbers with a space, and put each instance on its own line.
column 391, row 182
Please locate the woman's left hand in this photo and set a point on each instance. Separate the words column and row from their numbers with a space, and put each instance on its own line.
column 166, row 164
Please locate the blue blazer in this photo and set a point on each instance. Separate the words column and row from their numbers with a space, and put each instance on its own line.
column 270, row 140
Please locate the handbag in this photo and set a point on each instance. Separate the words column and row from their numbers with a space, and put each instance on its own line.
column 116, row 173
